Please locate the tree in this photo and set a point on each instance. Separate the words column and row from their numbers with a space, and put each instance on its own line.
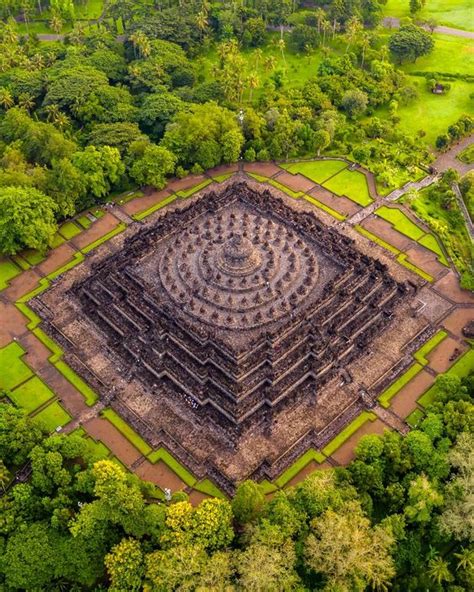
column 207, row 527
column 6, row 98
column 186, row 567
column 264, row 568
column 29, row 558
column 416, row 6
column 247, row 502
column 457, row 519
column 27, row 219
column 321, row 140
column 438, row 570
column 206, row 135
column 348, row 552
column 152, row 166
column 101, row 167
column 18, row 435
column 410, row 42
column 354, row 102
column 125, row 566
column 423, row 497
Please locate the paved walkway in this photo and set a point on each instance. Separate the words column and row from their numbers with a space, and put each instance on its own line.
column 448, row 160
column 394, row 23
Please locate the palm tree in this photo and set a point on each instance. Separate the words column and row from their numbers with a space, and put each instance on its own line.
column 61, row 120
column 37, row 62
column 465, row 559
column 56, row 23
column 51, row 111
column 270, row 63
column 258, row 54
column 26, row 101
column 202, row 22
column 438, row 570
column 6, row 99
column 335, row 28
column 4, row 475
column 140, row 43
column 320, row 16
column 353, row 28
column 281, row 46
column 326, row 27
column 253, row 82
column 365, row 44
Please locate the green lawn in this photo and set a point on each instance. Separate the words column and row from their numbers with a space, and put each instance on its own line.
column 316, row 170
column 33, row 256
column 432, row 113
column 414, row 418
column 450, row 55
column 400, row 221
column 69, row 230
column 430, row 242
column 8, row 270
column 13, row 370
column 31, row 394
column 53, row 416
column 452, row 13
column 352, row 184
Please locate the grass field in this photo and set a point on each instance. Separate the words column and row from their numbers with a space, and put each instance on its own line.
column 441, row 59
column 316, row 170
column 433, row 113
column 352, row 184
column 53, row 416
column 31, row 394
column 388, row 394
column 8, row 270
column 69, row 230
column 14, row 370
column 452, row 13
column 400, row 222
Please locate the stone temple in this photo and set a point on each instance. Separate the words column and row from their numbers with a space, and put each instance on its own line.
column 219, row 317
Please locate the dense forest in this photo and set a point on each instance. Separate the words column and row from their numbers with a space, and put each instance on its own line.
column 399, row 517
column 98, row 112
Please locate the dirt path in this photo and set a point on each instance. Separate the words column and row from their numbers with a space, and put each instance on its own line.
column 394, row 23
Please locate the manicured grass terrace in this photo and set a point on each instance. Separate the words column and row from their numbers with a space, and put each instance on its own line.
column 316, row 170
column 14, row 370
column 31, row 395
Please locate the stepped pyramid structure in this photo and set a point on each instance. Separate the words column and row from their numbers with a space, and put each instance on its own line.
column 227, row 328
column 239, row 304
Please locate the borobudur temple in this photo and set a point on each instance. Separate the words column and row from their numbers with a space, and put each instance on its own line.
column 228, row 315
